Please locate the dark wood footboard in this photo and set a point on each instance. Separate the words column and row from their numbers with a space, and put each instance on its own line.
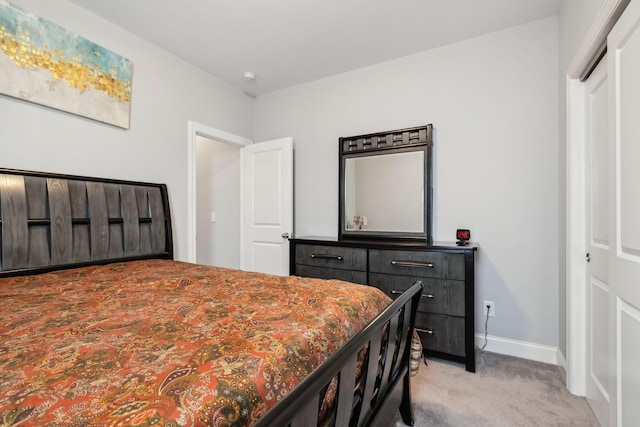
column 371, row 398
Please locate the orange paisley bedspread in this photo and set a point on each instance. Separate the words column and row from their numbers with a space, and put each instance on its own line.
column 165, row 342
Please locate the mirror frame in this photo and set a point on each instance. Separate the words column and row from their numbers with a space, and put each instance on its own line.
column 375, row 144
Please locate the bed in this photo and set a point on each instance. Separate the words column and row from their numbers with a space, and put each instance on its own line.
column 100, row 326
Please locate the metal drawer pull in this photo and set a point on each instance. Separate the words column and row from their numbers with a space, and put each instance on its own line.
column 426, row 331
column 429, row 296
column 327, row 256
column 413, row 264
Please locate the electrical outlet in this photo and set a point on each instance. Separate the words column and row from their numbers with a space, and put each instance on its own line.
column 490, row 306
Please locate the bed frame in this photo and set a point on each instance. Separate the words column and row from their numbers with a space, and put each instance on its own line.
column 52, row 221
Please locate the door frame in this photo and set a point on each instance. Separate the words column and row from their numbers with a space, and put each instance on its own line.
column 575, row 237
column 195, row 129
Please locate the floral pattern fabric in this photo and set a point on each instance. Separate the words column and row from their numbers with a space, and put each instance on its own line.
column 166, row 343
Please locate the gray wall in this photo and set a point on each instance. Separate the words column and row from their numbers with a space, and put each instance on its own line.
column 493, row 101
column 166, row 93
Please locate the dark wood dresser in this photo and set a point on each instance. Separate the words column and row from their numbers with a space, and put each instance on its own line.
column 446, row 315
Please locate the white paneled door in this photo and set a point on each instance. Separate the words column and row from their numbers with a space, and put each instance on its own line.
column 268, row 206
column 623, row 46
column 598, row 373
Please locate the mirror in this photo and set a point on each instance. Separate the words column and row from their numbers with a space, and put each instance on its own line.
column 385, row 185
column 367, row 178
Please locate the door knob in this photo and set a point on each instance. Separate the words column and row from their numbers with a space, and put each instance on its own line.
column 588, row 257
column 285, row 235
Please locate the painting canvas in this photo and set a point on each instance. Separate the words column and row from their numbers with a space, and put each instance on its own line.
column 43, row 63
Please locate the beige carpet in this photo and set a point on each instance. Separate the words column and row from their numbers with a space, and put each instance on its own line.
column 505, row 391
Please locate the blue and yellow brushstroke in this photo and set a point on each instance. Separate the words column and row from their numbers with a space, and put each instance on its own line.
column 32, row 42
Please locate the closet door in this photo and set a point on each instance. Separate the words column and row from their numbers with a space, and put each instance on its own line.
column 623, row 47
column 598, row 359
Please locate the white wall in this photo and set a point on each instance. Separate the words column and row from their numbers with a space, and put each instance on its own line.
column 166, row 93
column 493, row 101
column 575, row 19
column 217, row 191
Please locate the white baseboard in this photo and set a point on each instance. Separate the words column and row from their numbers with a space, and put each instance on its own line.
column 522, row 349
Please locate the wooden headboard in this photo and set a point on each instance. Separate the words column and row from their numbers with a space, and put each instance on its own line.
column 52, row 221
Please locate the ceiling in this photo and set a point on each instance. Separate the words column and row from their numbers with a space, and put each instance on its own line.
column 289, row 42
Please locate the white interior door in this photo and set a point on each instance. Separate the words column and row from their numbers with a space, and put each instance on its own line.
column 623, row 45
column 268, row 206
column 598, row 370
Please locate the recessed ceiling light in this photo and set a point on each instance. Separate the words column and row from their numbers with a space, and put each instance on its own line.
column 248, row 76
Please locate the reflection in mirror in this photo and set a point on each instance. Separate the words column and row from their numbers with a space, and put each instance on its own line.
column 385, row 193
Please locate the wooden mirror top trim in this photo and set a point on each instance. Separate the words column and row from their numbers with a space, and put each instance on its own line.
column 421, row 135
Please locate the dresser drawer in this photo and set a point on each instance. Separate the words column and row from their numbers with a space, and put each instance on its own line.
column 454, row 266
column 433, row 294
column 441, row 333
column 332, row 273
column 438, row 296
column 339, row 257
column 455, row 300
column 408, row 263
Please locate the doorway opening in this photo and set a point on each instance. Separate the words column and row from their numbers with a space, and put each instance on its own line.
column 214, row 196
column 217, row 203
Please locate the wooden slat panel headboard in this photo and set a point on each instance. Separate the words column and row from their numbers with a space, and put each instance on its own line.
column 52, row 221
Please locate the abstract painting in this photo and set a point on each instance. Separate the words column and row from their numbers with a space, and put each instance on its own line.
column 43, row 63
